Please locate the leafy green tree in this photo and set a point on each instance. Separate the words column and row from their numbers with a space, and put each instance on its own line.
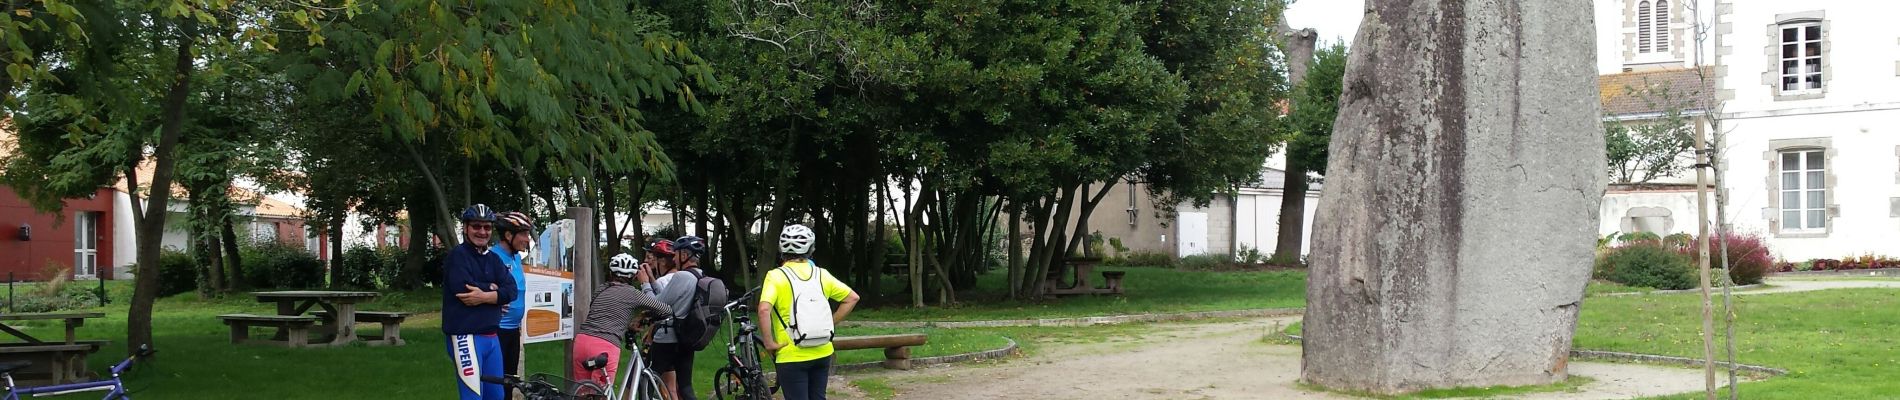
column 1641, row 151
column 1315, row 106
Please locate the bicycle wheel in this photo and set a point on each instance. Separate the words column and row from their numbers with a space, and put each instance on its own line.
column 727, row 384
column 649, row 387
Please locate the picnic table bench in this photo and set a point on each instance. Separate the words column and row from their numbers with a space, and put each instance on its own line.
column 896, row 347
column 335, row 326
column 391, row 324
column 1079, row 269
column 293, row 330
column 53, row 361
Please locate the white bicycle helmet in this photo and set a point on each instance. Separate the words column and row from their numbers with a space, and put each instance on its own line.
column 796, row 239
column 623, row 265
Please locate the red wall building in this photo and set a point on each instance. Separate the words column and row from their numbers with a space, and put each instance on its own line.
column 56, row 243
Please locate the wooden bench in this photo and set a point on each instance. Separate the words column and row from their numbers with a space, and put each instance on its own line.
column 896, row 347
column 1113, row 281
column 391, row 322
column 51, row 363
column 295, row 327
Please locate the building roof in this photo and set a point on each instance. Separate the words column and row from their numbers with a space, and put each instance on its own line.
column 264, row 204
column 1273, row 178
column 1623, row 94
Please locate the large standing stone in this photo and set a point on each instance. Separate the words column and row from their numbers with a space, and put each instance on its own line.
column 1461, row 203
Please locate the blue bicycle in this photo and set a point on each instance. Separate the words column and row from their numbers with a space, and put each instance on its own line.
column 115, row 388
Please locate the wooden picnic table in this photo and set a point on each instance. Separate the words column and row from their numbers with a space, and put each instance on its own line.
column 73, row 322
column 1079, row 284
column 340, row 320
column 57, row 361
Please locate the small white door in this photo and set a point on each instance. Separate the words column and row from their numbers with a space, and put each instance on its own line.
column 1191, row 229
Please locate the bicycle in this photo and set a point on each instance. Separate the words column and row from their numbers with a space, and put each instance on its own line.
column 114, row 386
column 743, row 377
column 638, row 377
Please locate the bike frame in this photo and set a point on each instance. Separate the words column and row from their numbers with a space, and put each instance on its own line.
column 632, row 375
column 115, row 387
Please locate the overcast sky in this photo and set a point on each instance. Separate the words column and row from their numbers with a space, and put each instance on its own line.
column 1335, row 20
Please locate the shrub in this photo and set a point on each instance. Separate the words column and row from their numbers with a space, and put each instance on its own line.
column 1679, row 241
column 1248, row 255
column 360, row 267
column 1143, row 259
column 1204, row 262
column 55, row 295
column 1638, row 237
column 1647, row 265
column 177, row 273
column 1748, row 258
column 280, row 266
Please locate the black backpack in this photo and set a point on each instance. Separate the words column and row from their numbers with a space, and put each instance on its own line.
column 701, row 321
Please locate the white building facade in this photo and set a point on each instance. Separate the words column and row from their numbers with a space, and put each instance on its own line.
column 1808, row 95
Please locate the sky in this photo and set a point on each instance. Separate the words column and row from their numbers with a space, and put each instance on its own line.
column 1334, row 20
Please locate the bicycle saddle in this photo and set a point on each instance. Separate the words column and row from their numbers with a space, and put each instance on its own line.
column 595, row 363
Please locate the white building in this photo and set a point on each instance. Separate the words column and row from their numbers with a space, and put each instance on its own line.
column 1809, row 96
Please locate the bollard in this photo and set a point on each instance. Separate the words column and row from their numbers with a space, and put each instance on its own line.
column 102, row 291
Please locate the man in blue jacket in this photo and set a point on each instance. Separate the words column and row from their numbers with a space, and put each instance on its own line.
column 517, row 235
column 475, row 285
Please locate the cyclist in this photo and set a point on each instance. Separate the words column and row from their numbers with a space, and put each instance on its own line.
column 671, row 357
column 517, row 234
column 610, row 316
column 802, row 370
column 475, row 285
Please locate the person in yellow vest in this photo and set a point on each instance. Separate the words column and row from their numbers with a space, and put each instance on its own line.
column 795, row 301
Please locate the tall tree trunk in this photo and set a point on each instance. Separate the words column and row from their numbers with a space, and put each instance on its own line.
column 445, row 218
column 1292, row 232
column 417, row 255
column 214, row 251
column 1053, row 251
column 334, row 236
column 607, row 193
column 233, row 261
column 151, row 233
column 1015, row 250
column 882, row 244
column 775, row 222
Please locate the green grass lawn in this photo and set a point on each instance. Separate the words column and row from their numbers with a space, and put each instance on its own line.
column 1836, row 344
column 1601, row 287
column 197, row 360
column 1148, row 290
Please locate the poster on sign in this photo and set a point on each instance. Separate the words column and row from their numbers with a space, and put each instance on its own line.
column 550, row 285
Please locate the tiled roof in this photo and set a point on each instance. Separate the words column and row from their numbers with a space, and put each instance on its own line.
column 1622, row 94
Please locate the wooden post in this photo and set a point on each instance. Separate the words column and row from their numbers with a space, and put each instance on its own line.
column 1702, row 259
column 583, row 267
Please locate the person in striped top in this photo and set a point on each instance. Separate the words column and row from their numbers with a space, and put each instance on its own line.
column 610, row 316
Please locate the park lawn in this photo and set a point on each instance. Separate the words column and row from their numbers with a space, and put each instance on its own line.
column 1148, row 290
column 1835, row 343
column 197, row 361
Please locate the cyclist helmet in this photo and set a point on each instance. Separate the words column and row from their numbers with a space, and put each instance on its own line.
column 478, row 212
column 796, row 239
column 690, row 243
column 661, row 247
column 514, row 221
column 623, row 265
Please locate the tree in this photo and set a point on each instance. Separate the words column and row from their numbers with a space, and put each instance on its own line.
column 525, row 84
column 1641, row 151
column 1315, row 106
column 108, row 118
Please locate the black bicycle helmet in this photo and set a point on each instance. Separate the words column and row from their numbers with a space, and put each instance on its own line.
column 478, row 212
column 692, row 244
